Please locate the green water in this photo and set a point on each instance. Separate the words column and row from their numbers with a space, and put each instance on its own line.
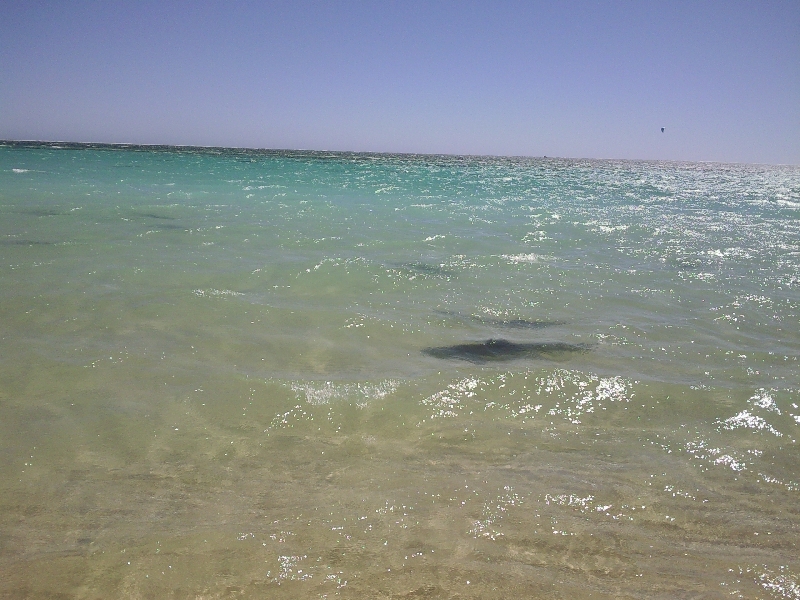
column 241, row 373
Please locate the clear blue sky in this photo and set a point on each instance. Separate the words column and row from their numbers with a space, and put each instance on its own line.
column 579, row 79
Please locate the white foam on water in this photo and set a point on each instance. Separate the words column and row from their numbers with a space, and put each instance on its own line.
column 789, row 485
column 516, row 259
column 729, row 461
column 702, row 450
column 493, row 512
column 591, row 394
column 605, row 226
column 289, row 568
column 581, row 503
column 318, row 394
column 746, row 420
column 213, row 293
column 762, row 399
column 589, row 505
column 450, row 400
column 782, row 583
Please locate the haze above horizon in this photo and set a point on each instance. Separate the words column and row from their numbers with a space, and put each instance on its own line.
column 584, row 80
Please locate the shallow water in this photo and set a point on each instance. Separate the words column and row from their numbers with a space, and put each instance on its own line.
column 229, row 373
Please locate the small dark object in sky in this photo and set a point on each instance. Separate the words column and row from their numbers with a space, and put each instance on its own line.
column 662, row 130
column 500, row 349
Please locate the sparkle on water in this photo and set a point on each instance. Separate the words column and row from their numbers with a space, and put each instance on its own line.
column 291, row 374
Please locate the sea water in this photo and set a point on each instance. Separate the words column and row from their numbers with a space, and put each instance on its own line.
column 233, row 373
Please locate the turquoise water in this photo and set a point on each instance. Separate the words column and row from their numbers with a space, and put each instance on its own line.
column 301, row 374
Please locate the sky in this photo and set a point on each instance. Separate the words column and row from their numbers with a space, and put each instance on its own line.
column 581, row 79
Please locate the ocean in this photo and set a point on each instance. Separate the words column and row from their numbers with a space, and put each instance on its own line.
column 240, row 373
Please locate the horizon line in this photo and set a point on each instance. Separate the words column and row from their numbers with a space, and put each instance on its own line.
column 385, row 153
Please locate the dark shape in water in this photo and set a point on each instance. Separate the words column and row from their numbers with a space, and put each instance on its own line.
column 42, row 212
column 662, row 130
column 518, row 323
column 498, row 350
column 508, row 323
column 25, row 243
column 157, row 216
column 428, row 270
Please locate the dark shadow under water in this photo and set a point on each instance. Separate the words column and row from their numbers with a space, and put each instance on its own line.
column 42, row 212
column 423, row 269
column 506, row 323
column 151, row 215
column 25, row 243
column 500, row 350
column 518, row 323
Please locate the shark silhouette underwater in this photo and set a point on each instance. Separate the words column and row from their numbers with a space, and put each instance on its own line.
column 495, row 350
column 499, row 323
